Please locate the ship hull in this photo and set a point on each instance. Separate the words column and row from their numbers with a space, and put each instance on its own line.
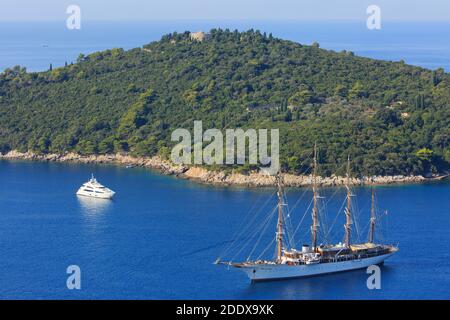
column 283, row 271
column 95, row 195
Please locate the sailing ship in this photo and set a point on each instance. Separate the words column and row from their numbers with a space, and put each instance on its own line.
column 317, row 259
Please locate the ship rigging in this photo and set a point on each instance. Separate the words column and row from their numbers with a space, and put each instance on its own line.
column 313, row 259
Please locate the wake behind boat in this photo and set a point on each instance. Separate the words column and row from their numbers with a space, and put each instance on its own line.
column 315, row 259
column 94, row 189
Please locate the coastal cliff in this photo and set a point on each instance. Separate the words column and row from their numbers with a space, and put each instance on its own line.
column 391, row 117
column 203, row 175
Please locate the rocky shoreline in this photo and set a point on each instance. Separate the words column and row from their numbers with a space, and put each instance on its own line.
column 203, row 175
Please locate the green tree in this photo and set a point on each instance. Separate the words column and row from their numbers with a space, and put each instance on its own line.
column 340, row 91
column 357, row 91
column 301, row 97
column 424, row 154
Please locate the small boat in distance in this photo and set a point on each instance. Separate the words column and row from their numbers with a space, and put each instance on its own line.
column 94, row 189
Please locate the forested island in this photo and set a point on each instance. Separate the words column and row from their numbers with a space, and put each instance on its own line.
column 392, row 118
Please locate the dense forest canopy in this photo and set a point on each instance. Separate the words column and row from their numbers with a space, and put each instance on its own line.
column 392, row 118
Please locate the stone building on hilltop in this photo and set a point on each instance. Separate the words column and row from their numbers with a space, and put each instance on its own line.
column 199, row 36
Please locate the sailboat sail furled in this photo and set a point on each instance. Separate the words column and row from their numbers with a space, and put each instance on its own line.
column 314, row 259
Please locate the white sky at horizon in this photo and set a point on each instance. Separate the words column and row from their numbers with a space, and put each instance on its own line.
column 122, row 10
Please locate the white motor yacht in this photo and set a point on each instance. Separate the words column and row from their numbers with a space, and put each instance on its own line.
column 94, row 189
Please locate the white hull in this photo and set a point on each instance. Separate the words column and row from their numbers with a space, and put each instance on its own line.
column 95, row 195
column 94, row 189
column 283, row 271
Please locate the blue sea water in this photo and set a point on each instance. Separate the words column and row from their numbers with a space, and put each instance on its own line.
column 37, row 44
column 160, row 236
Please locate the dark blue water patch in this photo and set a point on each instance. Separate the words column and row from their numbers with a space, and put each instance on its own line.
column 160, row 236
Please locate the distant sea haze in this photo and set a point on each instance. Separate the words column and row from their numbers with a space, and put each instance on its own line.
column 37, row 45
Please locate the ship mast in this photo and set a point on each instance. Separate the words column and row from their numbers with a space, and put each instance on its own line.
column 280, row 219
column 372, row 218
column 315, row 220
column 348, row 214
